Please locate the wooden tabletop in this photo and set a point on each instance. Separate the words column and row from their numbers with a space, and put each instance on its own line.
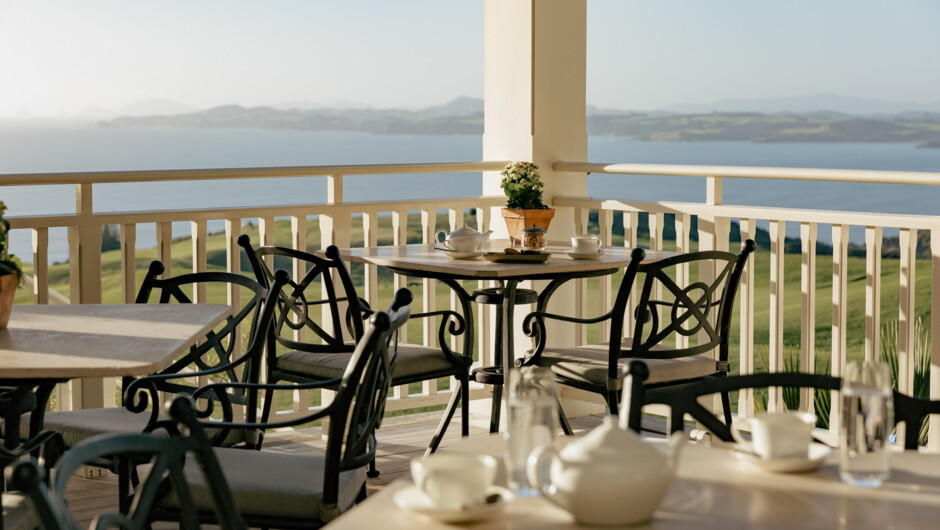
column 426, row 259
column 714, row 490
column 97, row 340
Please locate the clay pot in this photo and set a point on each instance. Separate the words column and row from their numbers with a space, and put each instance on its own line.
column 8, row 283
column 516, row 220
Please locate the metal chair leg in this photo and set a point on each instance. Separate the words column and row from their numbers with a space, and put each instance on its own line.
column 445, row 421
column 562, row 418
column 496, row 407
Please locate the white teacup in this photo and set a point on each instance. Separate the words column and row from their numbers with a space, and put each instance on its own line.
column 453, row 481
column 586, row 244
column 776, row 435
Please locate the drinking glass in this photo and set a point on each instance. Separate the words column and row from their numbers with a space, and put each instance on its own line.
column 531, row 422
column 866, row 423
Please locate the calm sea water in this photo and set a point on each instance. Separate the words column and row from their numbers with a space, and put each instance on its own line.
column 28, row 148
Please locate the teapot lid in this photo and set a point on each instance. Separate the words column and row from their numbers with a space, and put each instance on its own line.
column 611, row 443
column 465, row 231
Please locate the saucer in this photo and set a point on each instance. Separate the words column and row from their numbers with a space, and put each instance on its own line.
column 413, row 499
column 584, row 255
column 455, row 254
column 817, row 454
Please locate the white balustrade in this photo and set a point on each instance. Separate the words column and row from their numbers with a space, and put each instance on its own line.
column 337, row 217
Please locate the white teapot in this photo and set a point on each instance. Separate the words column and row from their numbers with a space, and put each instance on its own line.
column 609, row 477
column 464, row 239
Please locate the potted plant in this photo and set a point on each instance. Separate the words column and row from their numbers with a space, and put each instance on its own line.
column 522, row 185
column 10, row 271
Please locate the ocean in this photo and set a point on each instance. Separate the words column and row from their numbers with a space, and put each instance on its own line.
column 54, row 147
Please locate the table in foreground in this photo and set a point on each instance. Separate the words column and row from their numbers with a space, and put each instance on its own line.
column 714, row 490
column 99, row 340
column 47, row 344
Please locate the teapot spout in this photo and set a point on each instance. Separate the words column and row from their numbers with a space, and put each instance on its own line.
column 487, row 234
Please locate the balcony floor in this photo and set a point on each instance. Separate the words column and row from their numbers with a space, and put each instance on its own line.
column 400, row 439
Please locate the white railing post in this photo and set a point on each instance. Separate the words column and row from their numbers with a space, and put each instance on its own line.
column 872, row 292
column 746, row 340
column 41, row 265
column 85, row 284
column 334, row 230
column 933, row 434
column 906, row 310
column 128, row 234
column 200, row 233
column 775, row 347
column 808, row 236
column 840, row 307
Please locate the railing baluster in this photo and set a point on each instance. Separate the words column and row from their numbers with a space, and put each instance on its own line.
column 808, row 235
column 682, row 225
column 164, row 231
column 400, row 237
column 200, row 233
column 746, row 340
column 233, row 292
column 41, row 265
column 298, row 231
column 631, row 225
column 605, row 219
column 370, row 230
column 128, row 262
column 456, row 218
column 581, row 218
column 266, row 238
column 872, row 292
column 428, row 225
column 775, row 355
column 906, row 312
column 840, row 273
column 933, row 434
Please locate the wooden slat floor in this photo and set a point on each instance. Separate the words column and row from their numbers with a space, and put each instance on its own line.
column 400, row 439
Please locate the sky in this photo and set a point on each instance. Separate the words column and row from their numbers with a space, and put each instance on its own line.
column 61, row 57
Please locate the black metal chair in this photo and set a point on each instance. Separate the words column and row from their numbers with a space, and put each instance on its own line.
column 305, row 361
column 185, row 441
column 219, row 356
column 684, row 399
column 597, row 367
column 285, row 490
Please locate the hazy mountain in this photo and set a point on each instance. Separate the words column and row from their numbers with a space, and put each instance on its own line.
column 152, row 107
column 465, row 116
column 807, row 104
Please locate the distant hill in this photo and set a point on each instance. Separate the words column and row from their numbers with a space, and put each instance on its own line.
column 808, row 105
column 465, row 116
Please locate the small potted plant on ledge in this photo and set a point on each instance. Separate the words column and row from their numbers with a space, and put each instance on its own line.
column 522, row 185
column 10, row 271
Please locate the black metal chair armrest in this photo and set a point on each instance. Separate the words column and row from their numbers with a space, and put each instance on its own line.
column 534, row 326
column 452, row 324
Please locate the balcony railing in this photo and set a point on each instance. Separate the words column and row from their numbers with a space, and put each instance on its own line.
column 714, row 219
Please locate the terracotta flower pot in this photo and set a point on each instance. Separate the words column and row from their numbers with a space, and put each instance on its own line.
column 516, row 220
column 8, row 285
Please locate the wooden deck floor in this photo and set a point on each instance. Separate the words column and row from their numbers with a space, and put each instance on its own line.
column 400, row 439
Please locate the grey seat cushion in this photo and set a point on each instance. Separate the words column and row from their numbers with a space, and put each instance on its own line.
column 272, row 484
column 588, row 364
column 18, row 513
column 413, row 360
column 78, row 425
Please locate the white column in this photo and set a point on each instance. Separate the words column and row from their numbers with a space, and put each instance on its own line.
column 534, row 99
